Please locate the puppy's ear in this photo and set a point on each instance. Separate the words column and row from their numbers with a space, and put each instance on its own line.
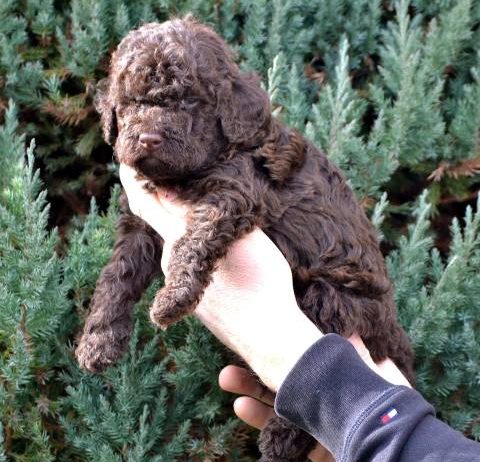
column 280, row 156
column 108, row 116
column 244, row 110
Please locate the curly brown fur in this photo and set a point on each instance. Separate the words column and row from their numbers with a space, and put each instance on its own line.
column 177, row 109
column 133, row 266
column 283, row 442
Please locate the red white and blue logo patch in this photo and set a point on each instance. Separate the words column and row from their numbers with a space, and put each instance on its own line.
column 391, row 414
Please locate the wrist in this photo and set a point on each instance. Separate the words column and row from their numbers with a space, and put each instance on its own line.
column 274, row 360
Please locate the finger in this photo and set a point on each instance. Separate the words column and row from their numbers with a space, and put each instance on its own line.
column 240, row 381
column 252, row 411
column 363, row 351
column 389, row 371
column 257, row 415
column 320, row 454
column 139, row 200
column 169, row 200
column 386, row 368
column 159, row 211
column 166, row 253
column 133, row 187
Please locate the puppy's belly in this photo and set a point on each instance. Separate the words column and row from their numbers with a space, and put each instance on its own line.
column 313, row 256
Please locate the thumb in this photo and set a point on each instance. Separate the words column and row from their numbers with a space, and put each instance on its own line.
column 160, row 210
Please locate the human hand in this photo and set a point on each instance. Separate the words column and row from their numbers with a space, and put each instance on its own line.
column 251, row 287
column 255, row 407
column 250, row 292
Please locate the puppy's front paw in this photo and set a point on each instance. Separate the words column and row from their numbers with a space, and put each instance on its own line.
column 170, row 305
column 99, row 350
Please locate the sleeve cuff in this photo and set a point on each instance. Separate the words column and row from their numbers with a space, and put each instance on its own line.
column 333, row 395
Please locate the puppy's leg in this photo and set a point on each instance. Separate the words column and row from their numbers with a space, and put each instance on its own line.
column 373, row 318
column 220, row 220
column 134, row 263
column 281, row 441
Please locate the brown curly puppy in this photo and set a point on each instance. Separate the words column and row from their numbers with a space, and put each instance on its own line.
column 178, row 109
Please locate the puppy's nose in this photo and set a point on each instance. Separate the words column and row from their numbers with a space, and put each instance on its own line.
column 150, row 141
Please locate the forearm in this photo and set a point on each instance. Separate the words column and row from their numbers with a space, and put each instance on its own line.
column 357, row 415
column 279, row 334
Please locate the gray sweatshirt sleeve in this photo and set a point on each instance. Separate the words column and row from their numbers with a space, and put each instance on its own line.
column 358, row 416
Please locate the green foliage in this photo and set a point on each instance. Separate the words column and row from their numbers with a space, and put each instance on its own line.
column 439, row 304
column 412, row 78
column 335, row 127
column 404, row 92
column 390, row 90
column 464, row 131
column 33, row 301
column 301, row 29
column 51, row 57
column 421, row 111
column 160, row 403
column 141, row 411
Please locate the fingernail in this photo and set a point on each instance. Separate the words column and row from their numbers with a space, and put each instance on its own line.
column 170, row 194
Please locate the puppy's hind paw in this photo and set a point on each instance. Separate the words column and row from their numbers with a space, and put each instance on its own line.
column 97, row 351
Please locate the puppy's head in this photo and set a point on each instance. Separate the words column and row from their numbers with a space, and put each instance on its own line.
column 175, row 100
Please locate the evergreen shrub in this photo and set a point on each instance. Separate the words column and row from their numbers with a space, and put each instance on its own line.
column 390, row 90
